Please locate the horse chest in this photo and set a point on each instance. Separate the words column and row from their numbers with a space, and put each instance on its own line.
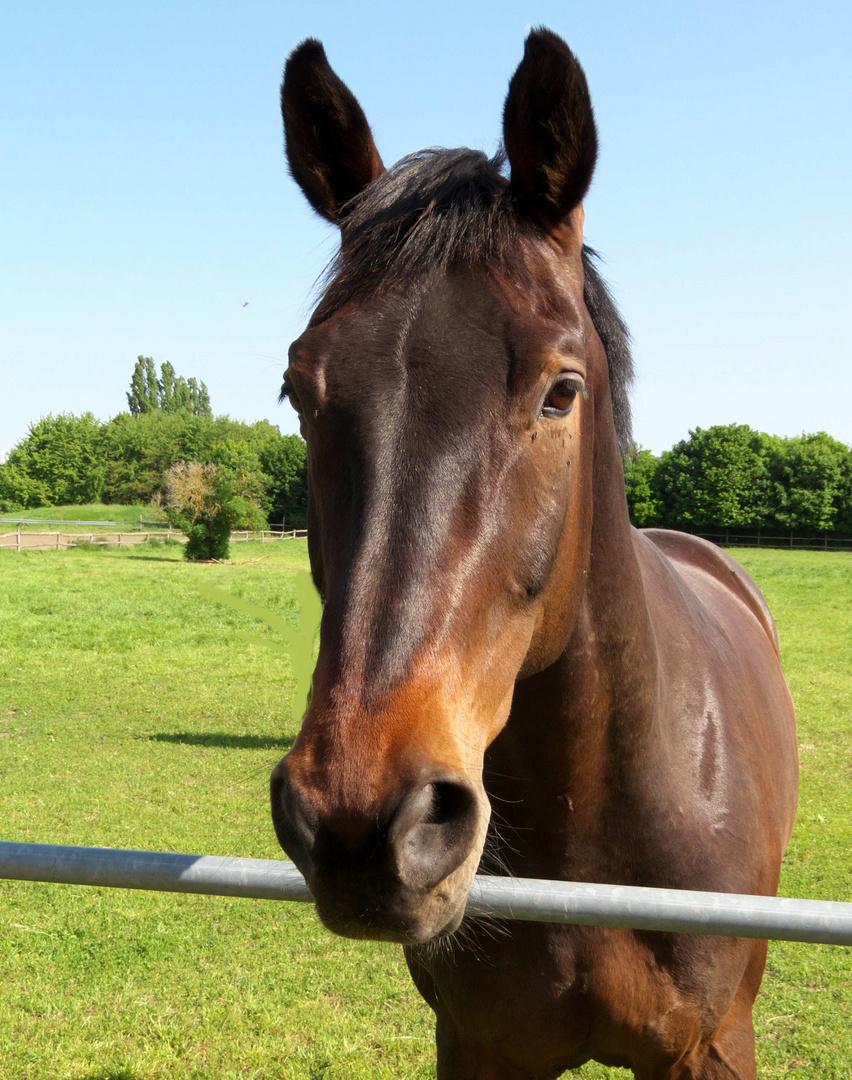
column 564, row 995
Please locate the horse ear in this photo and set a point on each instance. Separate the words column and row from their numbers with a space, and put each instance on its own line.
column 330, row 147
column 549, row 130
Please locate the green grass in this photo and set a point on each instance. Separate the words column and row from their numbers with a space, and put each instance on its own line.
column 124, row 515
column 804, row 1015
column 131, row 716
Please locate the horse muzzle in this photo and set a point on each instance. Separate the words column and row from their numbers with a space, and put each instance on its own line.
column 399, row 871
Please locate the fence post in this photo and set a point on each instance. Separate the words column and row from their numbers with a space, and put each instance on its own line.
column 18, row 539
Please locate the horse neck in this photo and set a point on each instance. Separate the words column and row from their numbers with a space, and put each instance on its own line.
column 614, row 610
column 590, row 718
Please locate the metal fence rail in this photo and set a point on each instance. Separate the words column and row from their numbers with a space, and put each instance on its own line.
column 126, row 526
column 732, row 538
column 816, row 921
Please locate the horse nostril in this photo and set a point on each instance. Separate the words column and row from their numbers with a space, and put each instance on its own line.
column 432, row 832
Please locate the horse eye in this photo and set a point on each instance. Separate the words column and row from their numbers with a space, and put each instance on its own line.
column 560, row 399
column 288, row 391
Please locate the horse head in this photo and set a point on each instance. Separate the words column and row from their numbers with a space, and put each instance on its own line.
column 451, row 387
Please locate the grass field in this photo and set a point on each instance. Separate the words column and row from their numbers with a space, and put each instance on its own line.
column 122, row 515
column 131, row 716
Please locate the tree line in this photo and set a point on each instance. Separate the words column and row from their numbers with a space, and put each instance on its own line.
column 732, row 477
column 724, row 477
column 70, row 459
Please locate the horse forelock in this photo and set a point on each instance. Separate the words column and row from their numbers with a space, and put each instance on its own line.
column 438, row 208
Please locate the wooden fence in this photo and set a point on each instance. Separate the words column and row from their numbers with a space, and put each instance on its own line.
column 269, row 534
column 59, row 541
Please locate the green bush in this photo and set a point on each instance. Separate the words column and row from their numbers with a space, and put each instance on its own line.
column 640, row 478
column 811, row 488
column 60, row 461
column 9, row 506
column 207, row 500
column 77, row 459
column 731, row 477
column 717, row 478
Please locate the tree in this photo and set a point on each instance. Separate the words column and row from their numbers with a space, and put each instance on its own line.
column 843, row 522
column 207, row 500
column 60, row 461
column 197, row 396
column 203, row 407
column 170, row 393
column 167, row 386
column 284, row 460
column 143, row 394
column 19, row 490
column 717, row 478
column 809, row 482
column 79, row 459
column 640, row 478
column 140, row 449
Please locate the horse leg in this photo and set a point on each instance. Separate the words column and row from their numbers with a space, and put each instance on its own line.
column 729, row 1054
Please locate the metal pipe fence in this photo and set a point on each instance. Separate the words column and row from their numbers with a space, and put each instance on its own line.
column 127, row 526
column 676, row 911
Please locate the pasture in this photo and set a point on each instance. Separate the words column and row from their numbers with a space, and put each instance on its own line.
column 122, row 515
column 132, row 716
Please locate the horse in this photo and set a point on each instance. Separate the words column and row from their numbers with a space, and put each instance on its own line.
column 510, row 676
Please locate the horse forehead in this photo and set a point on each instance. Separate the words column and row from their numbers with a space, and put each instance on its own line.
column 462, row 325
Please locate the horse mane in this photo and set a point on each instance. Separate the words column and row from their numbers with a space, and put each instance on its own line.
column 441, row 207
column 613, row 332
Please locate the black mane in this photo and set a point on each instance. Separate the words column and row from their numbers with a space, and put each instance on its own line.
column 436, row 208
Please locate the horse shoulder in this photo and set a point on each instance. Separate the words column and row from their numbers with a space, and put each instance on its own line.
column 723, row 670
column 696, row 556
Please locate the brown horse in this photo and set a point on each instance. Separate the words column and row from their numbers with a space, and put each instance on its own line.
column 507, row 669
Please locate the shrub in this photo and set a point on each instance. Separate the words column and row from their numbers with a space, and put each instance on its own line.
column 811, row 490
column 717, row 478
column 59, row 463
column 207, row 500
column 640, row 478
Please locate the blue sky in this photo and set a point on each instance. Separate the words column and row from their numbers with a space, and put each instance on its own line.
column 145, row 195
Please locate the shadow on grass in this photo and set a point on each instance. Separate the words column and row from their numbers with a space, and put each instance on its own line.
column 226, row 742
column 155, row 558
column 122, row 1074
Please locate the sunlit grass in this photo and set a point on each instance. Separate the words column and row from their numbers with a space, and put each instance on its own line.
column 131, row 715
column 126, row 515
